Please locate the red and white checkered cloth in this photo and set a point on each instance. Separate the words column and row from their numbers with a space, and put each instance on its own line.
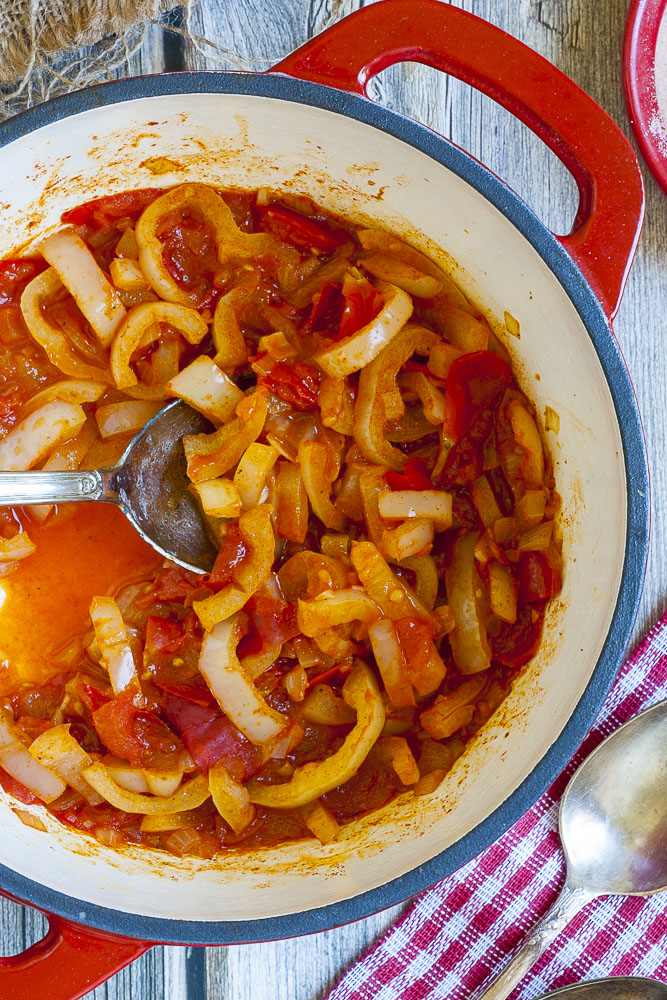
column 456, row 937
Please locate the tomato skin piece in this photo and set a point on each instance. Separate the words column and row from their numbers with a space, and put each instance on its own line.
column 413, row 476
column 196, row 695
column 230, row 556
column 15, row 273
column 538, row 581
column 102, row 212
column 271, row 622
column 173, row 585
column 209, row 736
column 473, row 384
column 297, row 384
column 164, row 635
column 361, row 304
column 326, row 310
column 298, row 230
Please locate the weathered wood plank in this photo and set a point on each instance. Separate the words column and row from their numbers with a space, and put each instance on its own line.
column 583, row 38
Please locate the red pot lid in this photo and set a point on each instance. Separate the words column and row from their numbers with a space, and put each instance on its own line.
column 645, row 81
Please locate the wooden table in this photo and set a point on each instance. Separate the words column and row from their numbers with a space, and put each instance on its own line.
column 583, row 38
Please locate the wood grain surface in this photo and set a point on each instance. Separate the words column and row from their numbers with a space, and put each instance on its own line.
column 583, row 38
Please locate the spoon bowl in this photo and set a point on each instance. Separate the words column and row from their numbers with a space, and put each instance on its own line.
column 616, row 988
column 149, row 484
column 613, row 828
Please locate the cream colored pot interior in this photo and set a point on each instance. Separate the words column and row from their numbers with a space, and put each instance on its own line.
column 236, row 140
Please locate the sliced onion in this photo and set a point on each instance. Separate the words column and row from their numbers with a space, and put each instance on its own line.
column 17, row 547
column 401, row 758
column 61, row 753
column 402, row 274
column 354, row 352
column 50, row 337
column 528, row 438
column 463, row 330
column 252, row 472
column 70, row 390
column 231, row 799
column 408, row 539
column 503, row 592
column 81, row 275
column 257, row 663
column 18, row 762
column 127, row 417
column 232, row 688
column 321, row 822
column 291, row 502
column 141, row 327
column 318, row 474
column 470, row 646
column 432, row 399
column 433, row 504
column 127, row 275
column 331, row 608
column 190, row 795
column 114, row 644
column 336, row 405
column 218, row 497
column 485, row 501
column 391, row 663
column 325, row 708
column 451, row 712
column 207, row 389
column 426, row 578
column 536, row 539
column 312, row 780
column 38, row 433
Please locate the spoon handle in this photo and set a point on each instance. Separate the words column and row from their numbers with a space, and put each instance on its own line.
column 569, row 902
column 54, row 487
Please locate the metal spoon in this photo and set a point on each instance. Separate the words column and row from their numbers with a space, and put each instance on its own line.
column 149, row 484
column 613, row 827
column 616, row 988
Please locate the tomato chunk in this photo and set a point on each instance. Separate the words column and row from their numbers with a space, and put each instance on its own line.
column 516, row 644
column 361, row 304
column 326, row 310
column 300, row 231
column 164, row 635
column 15, row 274
column 136, row 734
column 209, row 736
column 298, row 384
column 232, row 553
column 102, row 212
column 271, row 622
column 538, row 581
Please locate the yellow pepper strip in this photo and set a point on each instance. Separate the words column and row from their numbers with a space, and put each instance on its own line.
column 212, row 455
column 310, row 781
column 331, row 608
column 228, row 339
column 188, row 796
column 318, row 474
column 395, row 598
column 230, row 798
column 140, row 327
column 60, row 351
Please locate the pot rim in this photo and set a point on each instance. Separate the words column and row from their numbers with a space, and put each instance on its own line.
column 591, row 313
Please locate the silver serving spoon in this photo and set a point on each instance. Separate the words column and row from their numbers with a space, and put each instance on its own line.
column 616, row 988
column 149, row 484
column 613, row 827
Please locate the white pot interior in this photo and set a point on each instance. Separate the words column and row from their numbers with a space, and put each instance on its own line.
column 349, row 167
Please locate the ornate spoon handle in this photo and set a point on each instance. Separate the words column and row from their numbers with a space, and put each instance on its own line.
column 54, row 487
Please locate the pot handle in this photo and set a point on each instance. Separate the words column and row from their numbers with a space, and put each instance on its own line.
column 586, row 140
column 67, row 963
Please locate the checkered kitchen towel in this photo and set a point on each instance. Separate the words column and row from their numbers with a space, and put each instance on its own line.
column 456, row 936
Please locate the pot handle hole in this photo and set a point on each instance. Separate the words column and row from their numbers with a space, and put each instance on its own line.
column 590, row 145
column 70, row 958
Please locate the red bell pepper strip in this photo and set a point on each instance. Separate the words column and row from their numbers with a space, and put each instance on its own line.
column 413, row 476
column 298, row 384
column 298, row 230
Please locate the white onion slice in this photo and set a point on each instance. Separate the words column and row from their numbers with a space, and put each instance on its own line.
column 17, row 761
column 206, row 388
column 114, row 644
column 83, row 278
column 38, row 433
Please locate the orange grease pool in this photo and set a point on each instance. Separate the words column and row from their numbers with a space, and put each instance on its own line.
column 87, row 549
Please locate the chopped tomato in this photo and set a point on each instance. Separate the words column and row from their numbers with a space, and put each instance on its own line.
column 172, row 585
column 271, row 622
column 326, row 310
column 190, row 255
column 15, row 273
column 232, row 553
column 92, row 697
column 538, row 581
column 300, row 231
column 297, row 383
column 362, row 304
column 413, row 476
column 474, row 383
column 102, row 212
column 209, row 736
column 9, row 407
column 164, row 635
column 516, row 644
column 136, row 734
